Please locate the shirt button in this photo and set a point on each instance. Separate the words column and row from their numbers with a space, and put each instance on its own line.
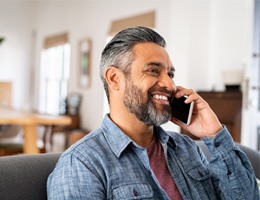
column 216, row 144
column 135, row 193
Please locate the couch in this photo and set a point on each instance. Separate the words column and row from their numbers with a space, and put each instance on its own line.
column 25, row 176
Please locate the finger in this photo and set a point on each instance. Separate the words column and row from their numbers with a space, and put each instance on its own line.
column 192, row 97
column 181, row 91
column 188, row 93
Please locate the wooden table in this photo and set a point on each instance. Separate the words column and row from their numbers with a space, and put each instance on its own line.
column 29, row 121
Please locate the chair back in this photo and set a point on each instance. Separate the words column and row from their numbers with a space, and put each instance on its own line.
column 6, row 94
column 8, row 133
column 25, row 176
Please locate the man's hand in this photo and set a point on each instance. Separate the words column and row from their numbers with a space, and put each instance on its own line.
column 204, row 122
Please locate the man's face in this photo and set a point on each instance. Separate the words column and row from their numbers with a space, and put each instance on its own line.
column 149, row 87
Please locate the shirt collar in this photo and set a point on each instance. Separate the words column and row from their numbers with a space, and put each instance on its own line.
column 118, row 140
column 164, row 137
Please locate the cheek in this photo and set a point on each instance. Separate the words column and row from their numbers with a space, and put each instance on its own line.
column 145, row 84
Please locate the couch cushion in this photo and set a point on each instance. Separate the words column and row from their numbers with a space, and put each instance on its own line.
column 25, row 176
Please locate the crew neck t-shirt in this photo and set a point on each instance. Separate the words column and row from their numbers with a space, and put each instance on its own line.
column 158, row 164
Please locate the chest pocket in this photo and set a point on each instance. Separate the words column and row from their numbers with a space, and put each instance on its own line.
column 199, row 173
column 133, row 191
column 201, row 178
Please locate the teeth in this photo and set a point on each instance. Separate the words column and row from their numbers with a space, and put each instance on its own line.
column 160, row 97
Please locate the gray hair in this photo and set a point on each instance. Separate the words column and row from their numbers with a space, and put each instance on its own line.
column 119, row 51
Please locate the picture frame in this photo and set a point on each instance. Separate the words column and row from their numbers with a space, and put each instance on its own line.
column 85, row 46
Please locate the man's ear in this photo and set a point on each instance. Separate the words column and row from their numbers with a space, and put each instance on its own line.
column 112, row 76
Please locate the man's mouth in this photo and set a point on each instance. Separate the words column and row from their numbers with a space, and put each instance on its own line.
column 162, row 98
column 161, row 95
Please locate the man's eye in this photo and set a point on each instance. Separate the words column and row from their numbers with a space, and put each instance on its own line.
column 154, row 71
column 171, row 75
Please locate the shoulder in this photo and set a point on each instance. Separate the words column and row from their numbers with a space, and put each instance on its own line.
column 185, row 146
column 175, row 139
column 181, row 139
column 91, row 146
column 78, row 168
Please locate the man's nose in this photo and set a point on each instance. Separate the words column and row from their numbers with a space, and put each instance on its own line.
column 167, row 82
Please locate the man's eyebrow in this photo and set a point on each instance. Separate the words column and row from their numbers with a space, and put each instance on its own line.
column 159, row 64
column 172, row 69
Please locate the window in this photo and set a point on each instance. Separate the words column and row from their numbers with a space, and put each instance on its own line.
column 54, row 74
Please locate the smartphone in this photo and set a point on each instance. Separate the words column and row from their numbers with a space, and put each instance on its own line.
column 182, row 111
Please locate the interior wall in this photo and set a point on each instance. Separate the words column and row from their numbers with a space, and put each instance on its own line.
column 16, row 24
column 204, row 37
column 230, row 39
column 81, row 20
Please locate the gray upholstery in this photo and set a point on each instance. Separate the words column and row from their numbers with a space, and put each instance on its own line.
column 25, row 176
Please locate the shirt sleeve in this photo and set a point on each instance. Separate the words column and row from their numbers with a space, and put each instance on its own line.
column 73, row 179
column 232, row 174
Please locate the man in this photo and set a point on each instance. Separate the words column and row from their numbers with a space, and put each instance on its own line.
column 130, row 156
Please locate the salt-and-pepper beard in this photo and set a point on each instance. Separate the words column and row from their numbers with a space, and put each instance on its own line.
column 142, row 106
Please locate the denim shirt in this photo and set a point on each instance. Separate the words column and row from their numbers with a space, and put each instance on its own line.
column 107, row 164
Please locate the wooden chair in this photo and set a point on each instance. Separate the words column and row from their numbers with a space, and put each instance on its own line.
column 67, row 131
column 6, row 94
column 8, row 132
column 72, row 102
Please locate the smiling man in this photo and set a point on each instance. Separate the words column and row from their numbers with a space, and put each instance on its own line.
column 130, row 156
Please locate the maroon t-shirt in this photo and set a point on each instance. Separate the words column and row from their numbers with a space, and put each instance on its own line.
column 161, row 171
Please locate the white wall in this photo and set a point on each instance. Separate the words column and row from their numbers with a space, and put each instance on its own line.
column 204, row 38
column 16, row 23
column 230, row 38
column 90, row 19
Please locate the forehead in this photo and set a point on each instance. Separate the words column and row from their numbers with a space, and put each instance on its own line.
column 150, row 52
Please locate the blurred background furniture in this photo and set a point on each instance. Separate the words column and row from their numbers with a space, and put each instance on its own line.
column 19, row 129
column 25, row 176
column 10, row 140
column 10, row 135
column 70, row 107
column 228, row 107
column 6, row 94
column 30, row 121
column 66, row 130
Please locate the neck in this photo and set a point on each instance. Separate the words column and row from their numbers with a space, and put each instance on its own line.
column 139, row 132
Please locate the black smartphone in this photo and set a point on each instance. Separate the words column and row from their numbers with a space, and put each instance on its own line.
column 182, row 111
